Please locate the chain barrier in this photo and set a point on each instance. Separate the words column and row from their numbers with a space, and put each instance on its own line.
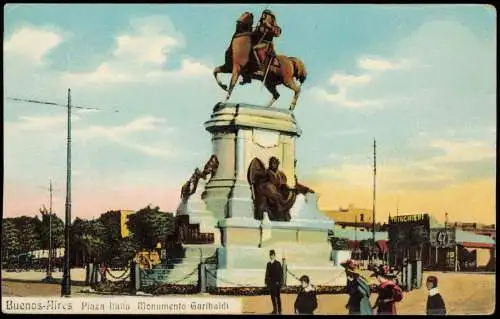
column 324, row 284
column 125, row 275
column 228, row 282
column 185, row 277
column 179, row 280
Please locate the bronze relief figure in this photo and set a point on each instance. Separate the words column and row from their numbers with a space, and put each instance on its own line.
column 189, row 187
column 271, row 193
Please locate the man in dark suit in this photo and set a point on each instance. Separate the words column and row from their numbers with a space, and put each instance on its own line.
column 274, row 281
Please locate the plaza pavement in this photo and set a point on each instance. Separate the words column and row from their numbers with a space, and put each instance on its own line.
column 463, row 293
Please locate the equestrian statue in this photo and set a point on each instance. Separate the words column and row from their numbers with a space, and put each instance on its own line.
column 251, row 54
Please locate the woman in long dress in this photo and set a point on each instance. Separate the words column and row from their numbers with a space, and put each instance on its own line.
column 388, row 292
column 358, row 289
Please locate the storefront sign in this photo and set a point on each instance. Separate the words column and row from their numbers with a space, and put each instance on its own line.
column 442, row 237
column 408, row 230
column 407, row 219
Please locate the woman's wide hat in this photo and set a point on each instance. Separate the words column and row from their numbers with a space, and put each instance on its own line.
column 383, row 271
column 351, row 266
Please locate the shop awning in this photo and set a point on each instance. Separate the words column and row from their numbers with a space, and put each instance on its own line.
column 354, row 244
column 476, row 245
column 382, row 246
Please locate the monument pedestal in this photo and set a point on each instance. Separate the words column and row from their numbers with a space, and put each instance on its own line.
column 240, row 133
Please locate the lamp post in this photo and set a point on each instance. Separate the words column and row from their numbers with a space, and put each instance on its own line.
column 66, row 282
column 374, row 188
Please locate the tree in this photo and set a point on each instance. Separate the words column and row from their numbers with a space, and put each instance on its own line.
column 150, row 226
column 10, row 238
column 28, row 229
column 44, row 228
column 87, row 240
column 111, row 221
column 126, row 251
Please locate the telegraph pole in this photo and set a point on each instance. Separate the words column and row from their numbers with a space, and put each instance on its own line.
column 374, row 190
column 397, row 208
column 66, row 282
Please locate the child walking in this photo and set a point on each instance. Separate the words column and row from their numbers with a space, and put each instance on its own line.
column 435, row 302
column 306, row 301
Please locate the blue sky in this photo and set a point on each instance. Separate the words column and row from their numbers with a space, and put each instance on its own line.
column 419, row 79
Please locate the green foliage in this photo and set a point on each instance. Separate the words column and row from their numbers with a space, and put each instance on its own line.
column 44, row 227
column 149, row 226
column 10, row 238
column 112, row 237
column 28, row 231
column 87, row 238
column 125, row 251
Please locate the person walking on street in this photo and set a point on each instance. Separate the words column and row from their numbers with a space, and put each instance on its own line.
column 274, row 281
column 435, row 302
column 306, row 301
column 358, row 289
column 388, row 292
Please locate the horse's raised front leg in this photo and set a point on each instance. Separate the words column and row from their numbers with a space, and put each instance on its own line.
column 296, row 89
column 234, row 78
column 221, row 69
column 272, row 88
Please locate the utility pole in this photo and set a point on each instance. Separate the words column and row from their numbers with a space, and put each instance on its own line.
column 49, row 277
column 374, row 190
column 66, row 282
column 356, row 235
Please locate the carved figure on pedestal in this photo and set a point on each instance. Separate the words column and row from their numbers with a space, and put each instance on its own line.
column 189, row 188
column 270, row 190
column 251, row 54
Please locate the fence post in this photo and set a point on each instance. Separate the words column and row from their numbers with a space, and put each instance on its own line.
column 133, row 275
column 284, row 272
column 88, row 274
column 94, row 279
column 202, row 284
column 137, row 281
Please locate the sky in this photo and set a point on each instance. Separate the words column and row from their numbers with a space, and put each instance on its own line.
column 420, row 79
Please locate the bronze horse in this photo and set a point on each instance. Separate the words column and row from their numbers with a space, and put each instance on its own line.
column 239, row 61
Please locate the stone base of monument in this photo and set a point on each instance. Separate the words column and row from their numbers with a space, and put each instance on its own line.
column 243, row 266
column 224, row 205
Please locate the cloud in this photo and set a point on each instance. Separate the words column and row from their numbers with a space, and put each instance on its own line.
column 378, row 64
column 434, row 171
column 343, row 132
column 462, row 151
column 342, row 80
column 40, row 123
column 32, row 43
column 438, row 64
column 341, row 98
column 142, row 55
column 124, row 135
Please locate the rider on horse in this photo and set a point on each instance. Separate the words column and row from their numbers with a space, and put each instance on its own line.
column 267, row 29
column 263, row 47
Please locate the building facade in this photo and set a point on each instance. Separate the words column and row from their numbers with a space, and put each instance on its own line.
column 351, row 216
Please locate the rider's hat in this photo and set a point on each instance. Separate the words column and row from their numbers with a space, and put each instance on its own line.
column 269, row 12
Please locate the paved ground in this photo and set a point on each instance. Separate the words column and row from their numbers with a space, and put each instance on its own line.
column 77, row 274
column 463, row 294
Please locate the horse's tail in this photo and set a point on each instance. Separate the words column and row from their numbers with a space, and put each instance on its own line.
column 300, row 72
